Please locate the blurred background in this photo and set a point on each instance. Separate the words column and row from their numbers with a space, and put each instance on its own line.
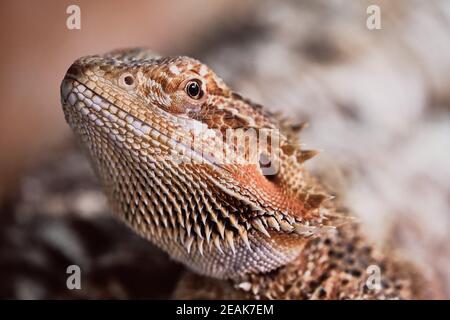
column 378, row 104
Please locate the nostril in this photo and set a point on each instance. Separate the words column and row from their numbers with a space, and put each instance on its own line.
column 74, row 70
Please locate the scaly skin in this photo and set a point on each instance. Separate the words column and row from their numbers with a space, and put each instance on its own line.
column 154, row 130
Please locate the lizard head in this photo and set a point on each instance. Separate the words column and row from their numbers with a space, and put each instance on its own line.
column 208, row 176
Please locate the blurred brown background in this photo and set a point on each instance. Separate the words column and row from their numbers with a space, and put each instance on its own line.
column 37, row 49
column 377, row 102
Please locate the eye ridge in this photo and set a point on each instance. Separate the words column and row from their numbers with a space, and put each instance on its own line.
column 194, row 90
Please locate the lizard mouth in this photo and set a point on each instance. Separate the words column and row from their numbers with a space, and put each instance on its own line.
column 79, row 101
column 82, row 102
column 84, row 110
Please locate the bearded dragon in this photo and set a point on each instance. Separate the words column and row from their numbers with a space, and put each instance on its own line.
column 172, row 146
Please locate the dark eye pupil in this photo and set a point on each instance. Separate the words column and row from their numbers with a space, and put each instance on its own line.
column 128, row 80
column 193, row 89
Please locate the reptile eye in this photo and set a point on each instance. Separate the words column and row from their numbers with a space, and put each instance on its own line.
column 194, row 90
column 126, row 80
